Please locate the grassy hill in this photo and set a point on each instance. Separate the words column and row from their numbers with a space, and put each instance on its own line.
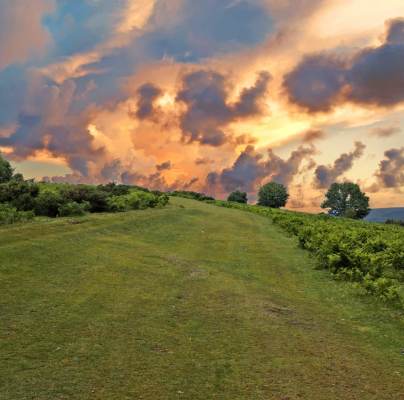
column 191, row 301
column 383, row 214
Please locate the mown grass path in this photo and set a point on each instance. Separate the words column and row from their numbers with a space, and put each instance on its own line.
column 188, row 302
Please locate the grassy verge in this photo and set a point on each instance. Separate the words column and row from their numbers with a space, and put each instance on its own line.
column 187, row 302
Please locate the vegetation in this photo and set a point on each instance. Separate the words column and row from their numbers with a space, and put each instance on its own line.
column 188, row 301
column 20, row 199
column 10, row 215
column 394, row 222
column 274, row 195
column 346, row 200
column 238, row 197
column 6, row 171
column 370, row 255
column 190, row 195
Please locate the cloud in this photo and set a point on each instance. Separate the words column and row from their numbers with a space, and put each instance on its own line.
column 395, row 33
column 205, row 95
column 283, row 171
column 203, row 161
column 315, row 84
column 391, row 169
column 325, row 175
column 373, row 76
column 385, row 131
column 312, row 135
column 48, row 121
column 21, row 32
column 147, row 95
column 251, row 168
column 112, row 171
column 164, row 166
column 201, row 29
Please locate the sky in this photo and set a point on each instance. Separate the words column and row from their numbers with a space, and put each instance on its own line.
column 211, row 96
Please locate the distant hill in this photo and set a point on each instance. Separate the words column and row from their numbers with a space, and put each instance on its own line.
column 383, row 214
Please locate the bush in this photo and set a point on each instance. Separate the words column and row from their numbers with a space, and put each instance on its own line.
column 137, row 200
column 273, row 195
column 238, row 197
column 115, row 190
column 95, row 196
column 19, row 193
column 191, row 195
column 48, row 203
column 73, row 209
column 10, row 215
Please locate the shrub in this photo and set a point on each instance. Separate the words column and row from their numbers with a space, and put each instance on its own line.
column 238, row 197
column 10, row 215
column 273, row 195
column 96, row 197
column 191, row 195
column 118, row 204
column 21, row 194
column 48, row 203
column 137, row 200
column 114, row 190
column 73, row 209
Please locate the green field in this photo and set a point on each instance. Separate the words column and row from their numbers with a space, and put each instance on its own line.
column 190, row 301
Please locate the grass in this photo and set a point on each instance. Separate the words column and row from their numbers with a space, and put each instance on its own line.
column 187, row 302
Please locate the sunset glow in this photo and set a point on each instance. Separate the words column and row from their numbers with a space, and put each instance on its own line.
column 211, row 96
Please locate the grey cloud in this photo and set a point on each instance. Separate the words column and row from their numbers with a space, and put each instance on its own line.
column 391, row 169
column 251, row 168
column 208, row 111
column 316, row 82
column 325, row 175
column 395, row 32
column 147, row 95
column 46, row 122
column 373, row 76
column 313, row 135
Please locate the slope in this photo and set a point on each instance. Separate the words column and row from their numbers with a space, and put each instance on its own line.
column 187, row 302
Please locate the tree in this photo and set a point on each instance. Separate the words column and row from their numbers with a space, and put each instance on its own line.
column 238, row 197
column 273, row 195
column 346, row 200
column 6, row 171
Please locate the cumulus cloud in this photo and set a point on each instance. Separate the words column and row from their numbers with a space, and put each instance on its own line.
column 325, row 175
column 373, row 76
column 205, row 95
column 391, row 170
column 315, row 84
column 251, row 168
column 48, row 121
column 147, row 95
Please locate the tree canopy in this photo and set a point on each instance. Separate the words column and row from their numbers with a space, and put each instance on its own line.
column 274, row 195
column 6, row 171
column 238, row 197
column 346, row 200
